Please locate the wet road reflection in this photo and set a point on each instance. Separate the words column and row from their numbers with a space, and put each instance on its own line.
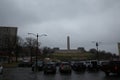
column 27, row 74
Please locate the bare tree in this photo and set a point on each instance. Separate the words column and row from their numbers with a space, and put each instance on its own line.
column 18, row 47
column 47, row 50
column 31, row 43
column 11, row 43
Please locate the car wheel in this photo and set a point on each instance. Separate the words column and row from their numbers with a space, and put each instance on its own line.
column 70, row 71
column 45, row 72
column 54, row 72
column 32, row 68
column 107, row 73
column 1, row 72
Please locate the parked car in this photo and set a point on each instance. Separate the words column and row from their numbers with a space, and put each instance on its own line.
column 65, row 67
column 102, row 63
column 87, row 63
column 93, row 65
column 1, row 69
column 50, row 67
column 39, row 66
column 79, row 66
column 111, row 67
column 25, row 64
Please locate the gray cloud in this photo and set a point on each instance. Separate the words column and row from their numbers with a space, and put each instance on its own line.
column 83, row 20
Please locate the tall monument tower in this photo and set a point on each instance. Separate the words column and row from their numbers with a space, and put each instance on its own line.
column 68, row 42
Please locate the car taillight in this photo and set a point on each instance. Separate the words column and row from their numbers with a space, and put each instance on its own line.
column 62, row 66
column 115, row 67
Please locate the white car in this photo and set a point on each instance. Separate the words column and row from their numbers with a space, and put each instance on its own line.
column 1, row 69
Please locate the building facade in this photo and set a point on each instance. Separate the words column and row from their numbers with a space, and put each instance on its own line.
column 8, row 36
column 79, row 50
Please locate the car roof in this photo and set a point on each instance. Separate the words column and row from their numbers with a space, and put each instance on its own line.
column 50, row 63
column 65, row 63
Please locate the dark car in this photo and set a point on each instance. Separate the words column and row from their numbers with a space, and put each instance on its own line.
column 1, row 69
column 93, row 66
column 50, row 67
column 25, row 64
column 111, row 67
column 79, row 66
column 65, row 67
column 39, row 66
column 102, row 63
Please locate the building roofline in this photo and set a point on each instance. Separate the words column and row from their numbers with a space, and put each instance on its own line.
column 7, row 27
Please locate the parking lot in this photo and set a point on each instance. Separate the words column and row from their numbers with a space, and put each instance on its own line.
column 27, row 74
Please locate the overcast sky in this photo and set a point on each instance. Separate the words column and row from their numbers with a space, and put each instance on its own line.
column 83, row 20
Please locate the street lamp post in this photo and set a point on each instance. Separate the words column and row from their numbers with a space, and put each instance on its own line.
column 97, row 44
column 97, row 50
column 36, row 53
column 36, row 35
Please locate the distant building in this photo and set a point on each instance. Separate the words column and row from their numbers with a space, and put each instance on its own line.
column 68, row 51
column 79, row 50
column 56, row 48
column 8, row 37
column 82, row 49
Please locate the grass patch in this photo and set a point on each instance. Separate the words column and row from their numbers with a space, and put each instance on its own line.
column 10, row 65
column 72, row 56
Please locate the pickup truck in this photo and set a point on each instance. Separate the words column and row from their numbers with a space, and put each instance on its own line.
column 111, row 67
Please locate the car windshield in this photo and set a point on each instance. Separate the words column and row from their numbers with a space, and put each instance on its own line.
column 115, row 62
column 40, row 62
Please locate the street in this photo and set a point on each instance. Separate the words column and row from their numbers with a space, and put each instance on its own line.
column 27, row 74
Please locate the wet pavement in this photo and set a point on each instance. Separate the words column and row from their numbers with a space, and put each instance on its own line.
column 27, row 74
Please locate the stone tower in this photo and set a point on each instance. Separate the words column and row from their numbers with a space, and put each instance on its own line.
column 68, row 42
